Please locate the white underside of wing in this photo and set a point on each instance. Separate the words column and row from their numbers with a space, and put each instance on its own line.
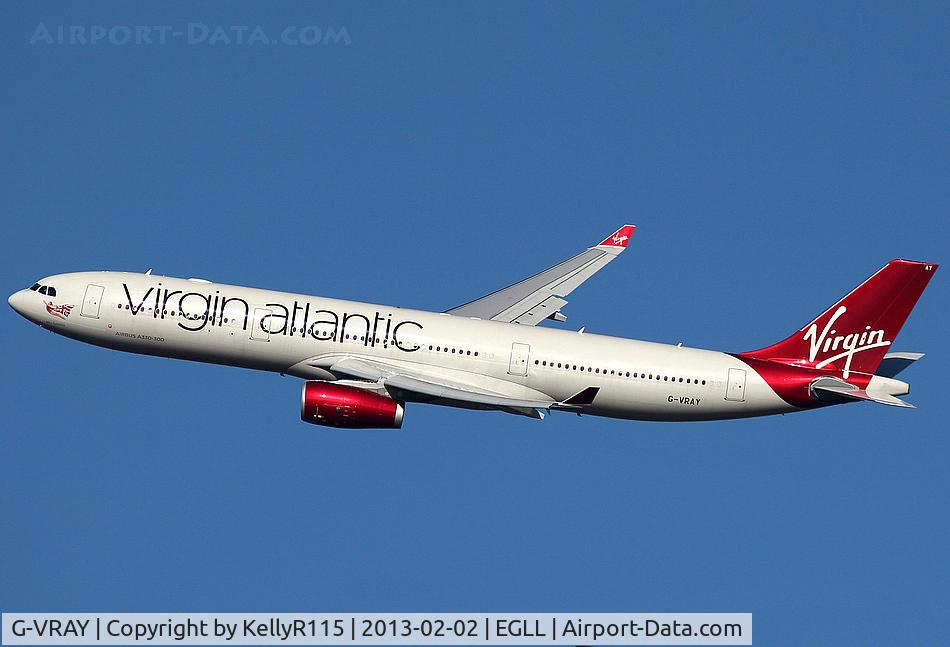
column 425, row 383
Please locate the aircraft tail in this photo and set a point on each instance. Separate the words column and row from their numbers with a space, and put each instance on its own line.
column 854, row 334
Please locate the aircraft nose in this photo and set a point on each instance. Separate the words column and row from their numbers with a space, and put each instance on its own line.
column 17, row 301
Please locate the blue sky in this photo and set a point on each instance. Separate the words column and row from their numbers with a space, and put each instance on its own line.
column 773, row 157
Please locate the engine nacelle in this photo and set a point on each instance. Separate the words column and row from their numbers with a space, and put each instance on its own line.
column 334, row 405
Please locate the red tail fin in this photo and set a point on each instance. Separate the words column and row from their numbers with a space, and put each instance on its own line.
column 854, row 334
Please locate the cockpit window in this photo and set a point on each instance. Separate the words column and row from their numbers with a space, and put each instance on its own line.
column 48, row 290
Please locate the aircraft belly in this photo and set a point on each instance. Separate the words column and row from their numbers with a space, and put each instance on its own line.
column 639, row 398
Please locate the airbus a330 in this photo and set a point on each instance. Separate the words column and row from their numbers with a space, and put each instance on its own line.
column 362, row 362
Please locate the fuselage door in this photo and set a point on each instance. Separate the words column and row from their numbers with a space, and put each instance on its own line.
column 735, row 385
column 518, row 365
column 260, row 326
column 92, row 300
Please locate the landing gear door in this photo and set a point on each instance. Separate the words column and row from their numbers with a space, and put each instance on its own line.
column 518, row 364
column 92, row 301
column 260, row 326
column 735, row 385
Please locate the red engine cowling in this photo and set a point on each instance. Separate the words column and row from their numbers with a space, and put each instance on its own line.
column 333, row 405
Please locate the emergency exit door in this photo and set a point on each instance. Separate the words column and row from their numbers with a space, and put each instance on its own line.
column 735, row 385
column 518, row 364
column 260, row 324
column 92, row 301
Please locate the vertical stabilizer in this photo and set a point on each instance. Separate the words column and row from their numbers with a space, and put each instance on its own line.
column 856, row 332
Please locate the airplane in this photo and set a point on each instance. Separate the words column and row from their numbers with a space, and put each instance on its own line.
column 362, row 363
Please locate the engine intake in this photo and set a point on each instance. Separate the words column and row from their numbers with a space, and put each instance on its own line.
column 334, row 405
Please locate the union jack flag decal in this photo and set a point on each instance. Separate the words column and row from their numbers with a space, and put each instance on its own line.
column 58, row 311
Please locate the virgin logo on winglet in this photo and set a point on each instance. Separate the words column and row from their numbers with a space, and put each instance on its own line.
column 619, row 238
column 850, row 344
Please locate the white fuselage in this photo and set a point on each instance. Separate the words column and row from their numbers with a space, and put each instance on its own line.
column 303, row 335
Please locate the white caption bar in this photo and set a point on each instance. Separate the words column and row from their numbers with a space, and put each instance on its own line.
column 377, row 628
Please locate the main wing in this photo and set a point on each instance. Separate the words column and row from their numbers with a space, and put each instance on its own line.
column 542, row 296
column 440, row 388
column 422, row 384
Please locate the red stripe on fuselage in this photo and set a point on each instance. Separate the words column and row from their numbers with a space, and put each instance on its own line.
column 791, row 382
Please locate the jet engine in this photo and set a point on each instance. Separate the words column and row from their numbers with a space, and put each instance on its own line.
column 335, row 405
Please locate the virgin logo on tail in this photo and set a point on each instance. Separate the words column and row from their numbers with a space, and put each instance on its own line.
column 618, row 239
column 850, row 344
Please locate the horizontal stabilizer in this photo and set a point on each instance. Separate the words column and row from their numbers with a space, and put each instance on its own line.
column 835, row 387
column 894, row 363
